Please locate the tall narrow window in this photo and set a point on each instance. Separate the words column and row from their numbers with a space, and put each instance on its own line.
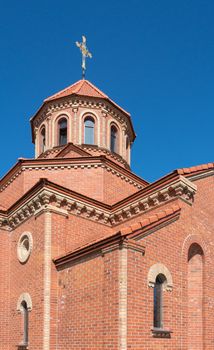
column 195, row 292
column 114, row 139
column 62, row 129
column 127, row 142
column 158, row 301
column 43, row 140
column 89, row 131
column 25, row 322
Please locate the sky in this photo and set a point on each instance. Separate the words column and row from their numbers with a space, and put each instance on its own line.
column 154, row 58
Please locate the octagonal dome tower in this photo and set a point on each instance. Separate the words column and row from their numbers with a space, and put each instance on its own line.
column 84, row 116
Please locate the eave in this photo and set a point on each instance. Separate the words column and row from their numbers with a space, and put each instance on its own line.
column 70, row 162
column 126, row 238
column 108, row 100
column 46, row 194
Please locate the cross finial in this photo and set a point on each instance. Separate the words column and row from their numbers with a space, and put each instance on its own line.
column 85, row 53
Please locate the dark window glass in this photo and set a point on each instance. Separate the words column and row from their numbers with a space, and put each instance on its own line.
column 43, row 140
column 89, row 131
column 62, row 131
column 127, row 142
column 158, row 301
column 114, row 139
column 25, row 322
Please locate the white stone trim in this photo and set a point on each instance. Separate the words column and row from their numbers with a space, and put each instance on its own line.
column 24, row 297
column 47, row 280
column 180, row 188
column 38, row 137
column 24, row 255
column 94, row 115
column 54, row 122
column 80, row 101
column 157, row 269
column 108, row 132
column 75, row 124
column 71, row 166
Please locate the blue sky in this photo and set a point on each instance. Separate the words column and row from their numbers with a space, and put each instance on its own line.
column 154, row 58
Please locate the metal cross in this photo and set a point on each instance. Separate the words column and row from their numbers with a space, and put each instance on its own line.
column 85, row 53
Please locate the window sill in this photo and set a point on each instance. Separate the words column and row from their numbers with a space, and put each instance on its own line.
column 22, row 346
column 161, row 333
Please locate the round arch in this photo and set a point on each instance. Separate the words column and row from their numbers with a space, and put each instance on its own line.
column 160, row 269
column 39, row 138
column 120, row 134
column 54, row 129
column 95, row 117
column 24, row 297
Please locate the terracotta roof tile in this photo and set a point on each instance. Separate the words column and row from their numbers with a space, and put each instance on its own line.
column 151, row 219
column 169, row 211
column 81, row 87
column 195, row 169
column 124, row 231
column 136, row 226
column 161, row 215
column 128, row 230
column 145, row 222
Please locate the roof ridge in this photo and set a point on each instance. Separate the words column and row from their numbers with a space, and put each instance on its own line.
column 61, row 91
column 96, row 89
column 81, row 82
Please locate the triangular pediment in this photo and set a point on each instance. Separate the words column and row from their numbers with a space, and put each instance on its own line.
column 72, row 151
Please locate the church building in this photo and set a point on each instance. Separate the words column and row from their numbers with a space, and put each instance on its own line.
column 92, row 255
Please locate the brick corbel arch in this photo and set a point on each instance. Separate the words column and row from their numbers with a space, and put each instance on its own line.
column 24, row 297
column 194, row 239
column 157, row 269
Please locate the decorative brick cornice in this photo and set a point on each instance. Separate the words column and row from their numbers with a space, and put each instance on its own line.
column 82, row 101
column 70, row 163
column 114, row 156
column 46, row 195
column 180, row 188
column 127, row 238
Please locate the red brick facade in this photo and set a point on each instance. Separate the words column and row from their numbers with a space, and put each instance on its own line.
column 84, row 241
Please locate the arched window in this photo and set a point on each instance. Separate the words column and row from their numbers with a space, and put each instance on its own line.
column 114, row 139
column 89, row 131
column 195, row 292
column 43, row 140
column 24, row 306
column 24, row 310
column 62, row 131
column 158, row 301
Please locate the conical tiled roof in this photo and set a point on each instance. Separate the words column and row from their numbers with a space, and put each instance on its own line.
column 82, row 88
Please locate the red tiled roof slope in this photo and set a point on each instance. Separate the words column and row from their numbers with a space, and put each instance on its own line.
column 194, row 169
column 81, row 87
column 129, row 231
column 84, row 88
column 155, row 218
